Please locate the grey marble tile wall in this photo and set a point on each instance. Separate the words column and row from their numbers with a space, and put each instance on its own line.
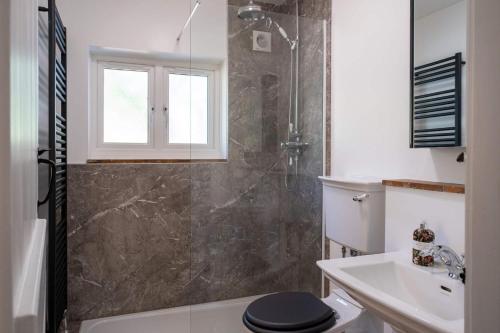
column 144, row 237
column 128, row 238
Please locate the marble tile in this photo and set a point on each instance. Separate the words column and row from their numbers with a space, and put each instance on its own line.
column 128, row 234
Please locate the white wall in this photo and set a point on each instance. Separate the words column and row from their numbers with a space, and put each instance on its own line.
column 405, row 209
column 371, row 96
column 23, row 131
column 483, row 172
column 149, row 26
column 6, row 311
column 371, row 118
column 371, row 84
column 18, row 152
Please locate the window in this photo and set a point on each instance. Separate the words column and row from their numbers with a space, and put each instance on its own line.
column 156, row 111
column 126, row 104
column 188, row 105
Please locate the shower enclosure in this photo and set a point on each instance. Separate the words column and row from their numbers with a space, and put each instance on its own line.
column 293, row 145
column 148, row 236
column 256, row 218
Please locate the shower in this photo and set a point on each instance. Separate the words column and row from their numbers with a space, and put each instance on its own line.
column 254, row 12
column 294, row 146
column 251, row 12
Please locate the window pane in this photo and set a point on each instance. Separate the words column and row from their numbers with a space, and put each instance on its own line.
column 188, row 118
column 125, row 106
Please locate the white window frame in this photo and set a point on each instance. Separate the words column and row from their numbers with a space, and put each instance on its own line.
column 212, row 115
column 158, row 147
column 100, row 99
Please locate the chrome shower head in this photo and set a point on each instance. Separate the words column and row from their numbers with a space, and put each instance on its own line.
column 251, row 12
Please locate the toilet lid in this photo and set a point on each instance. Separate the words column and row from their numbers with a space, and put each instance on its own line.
column 289, row 312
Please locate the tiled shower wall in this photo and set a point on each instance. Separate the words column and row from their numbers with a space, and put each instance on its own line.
column 151, row 236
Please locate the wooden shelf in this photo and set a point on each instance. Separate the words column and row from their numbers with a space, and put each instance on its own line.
column 425, row 185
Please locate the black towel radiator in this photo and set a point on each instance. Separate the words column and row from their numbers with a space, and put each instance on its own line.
column 443, row 102
column 57, row 216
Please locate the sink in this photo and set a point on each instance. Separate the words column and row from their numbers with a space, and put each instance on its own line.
column 410, row 298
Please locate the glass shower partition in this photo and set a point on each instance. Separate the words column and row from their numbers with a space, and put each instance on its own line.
column 255, row 201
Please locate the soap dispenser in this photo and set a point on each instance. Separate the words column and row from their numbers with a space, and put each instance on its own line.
column 423, row 239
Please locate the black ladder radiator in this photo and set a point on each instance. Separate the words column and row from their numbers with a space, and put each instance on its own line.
column 57, row 217
column 437, row 104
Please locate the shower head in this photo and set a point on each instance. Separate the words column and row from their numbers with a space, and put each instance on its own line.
column 254, row 12
column 251, row 12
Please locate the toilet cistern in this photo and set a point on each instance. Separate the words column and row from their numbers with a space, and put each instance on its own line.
column 354, row 213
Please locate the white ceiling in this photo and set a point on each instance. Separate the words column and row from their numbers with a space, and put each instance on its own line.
column 426, row 7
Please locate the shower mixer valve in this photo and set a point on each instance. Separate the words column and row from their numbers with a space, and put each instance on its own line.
column 295, row 147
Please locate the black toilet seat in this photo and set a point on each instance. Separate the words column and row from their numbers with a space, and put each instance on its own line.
column 297, row 312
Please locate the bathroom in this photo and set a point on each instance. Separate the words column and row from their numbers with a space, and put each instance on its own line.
column 250, row 166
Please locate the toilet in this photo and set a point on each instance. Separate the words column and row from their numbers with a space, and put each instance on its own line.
column 301, row 312
column 354, row 217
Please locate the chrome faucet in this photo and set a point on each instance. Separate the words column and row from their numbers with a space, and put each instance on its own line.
column 454, row 263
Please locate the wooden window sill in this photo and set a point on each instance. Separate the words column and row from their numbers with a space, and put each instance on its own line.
column 425, row 185
column 156, row 161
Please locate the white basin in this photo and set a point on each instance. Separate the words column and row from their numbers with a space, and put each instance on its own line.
column 410, row 298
